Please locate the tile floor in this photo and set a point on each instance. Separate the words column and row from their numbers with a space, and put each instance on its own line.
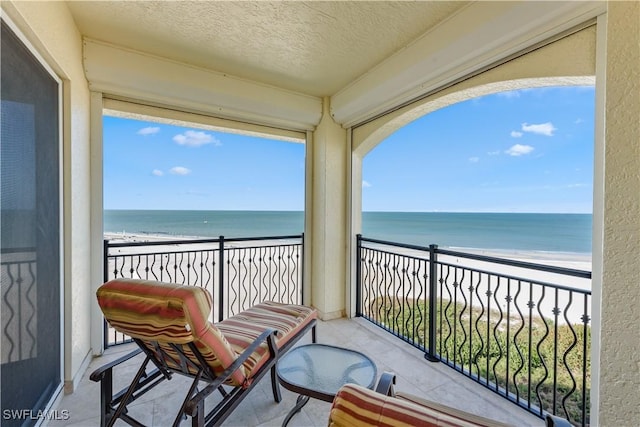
column 433, row 381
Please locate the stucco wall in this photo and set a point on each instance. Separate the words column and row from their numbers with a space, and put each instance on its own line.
column 620, row 331
column 51, row 29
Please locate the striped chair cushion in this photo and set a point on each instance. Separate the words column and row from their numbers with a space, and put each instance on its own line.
column 169, row 314
column 166, row 314
column 356, row 406
column 243, row 328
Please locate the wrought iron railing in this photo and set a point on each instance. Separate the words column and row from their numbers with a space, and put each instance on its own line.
column 518, row 328
column 18, row 275
column 239, row 273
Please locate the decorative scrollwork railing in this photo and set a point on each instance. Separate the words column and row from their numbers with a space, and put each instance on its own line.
column 238, row 273
column 18, row 275
column 518, row 328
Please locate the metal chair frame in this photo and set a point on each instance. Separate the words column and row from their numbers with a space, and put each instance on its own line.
column 114, row 406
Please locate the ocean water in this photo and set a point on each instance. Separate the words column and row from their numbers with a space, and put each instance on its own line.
column 567, row 233
column 204, row 223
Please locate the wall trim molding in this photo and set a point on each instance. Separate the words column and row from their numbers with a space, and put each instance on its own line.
column 71, row 385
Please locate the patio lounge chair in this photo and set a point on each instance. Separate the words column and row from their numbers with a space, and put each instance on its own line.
column 169, row 323
column 357, row 406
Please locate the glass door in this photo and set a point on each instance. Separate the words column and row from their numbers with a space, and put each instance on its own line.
column 30, row 234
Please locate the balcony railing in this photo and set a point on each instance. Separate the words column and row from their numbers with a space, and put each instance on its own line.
column 18, row 275
column 238, row 273
column 520, row 329
column 515, row 327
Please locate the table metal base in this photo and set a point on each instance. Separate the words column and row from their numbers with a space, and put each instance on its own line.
column 300, row 402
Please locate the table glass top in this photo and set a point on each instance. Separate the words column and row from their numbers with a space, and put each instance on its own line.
column 324, row 369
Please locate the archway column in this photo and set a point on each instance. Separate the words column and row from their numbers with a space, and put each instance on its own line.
column 326, row 252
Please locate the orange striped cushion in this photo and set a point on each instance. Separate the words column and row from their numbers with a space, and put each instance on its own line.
column 167, row 313
column 356, row 406
column 175, row 314
column 243, row 328
column 154, row 310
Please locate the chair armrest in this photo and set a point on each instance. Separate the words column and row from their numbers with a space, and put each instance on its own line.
column 99, row 373
column 268, row 335
column 386, row 384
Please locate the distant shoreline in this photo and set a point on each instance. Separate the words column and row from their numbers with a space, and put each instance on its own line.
column 580, row 261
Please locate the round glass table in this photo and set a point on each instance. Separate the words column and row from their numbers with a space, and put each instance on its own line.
column 319, row 370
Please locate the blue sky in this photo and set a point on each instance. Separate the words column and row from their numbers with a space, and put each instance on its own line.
column 522, row 151
column 158, row 166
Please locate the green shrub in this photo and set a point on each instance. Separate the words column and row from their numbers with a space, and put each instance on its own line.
column 507, row 352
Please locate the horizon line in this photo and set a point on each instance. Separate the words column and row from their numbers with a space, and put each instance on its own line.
column 371, row 211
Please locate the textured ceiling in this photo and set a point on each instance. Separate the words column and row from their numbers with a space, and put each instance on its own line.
column 311, row 47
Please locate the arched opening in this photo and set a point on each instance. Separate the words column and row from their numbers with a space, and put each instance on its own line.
column 472, row 168
column 464, row 288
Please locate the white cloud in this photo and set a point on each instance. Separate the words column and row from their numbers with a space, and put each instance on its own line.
column 546, row 129
column 179, row 170
column 516, row 134
column 519, row 150
column 578, row 121
column 157, row 172
column 474, row 159
column 494, row 153
column 365, row 184
column 148, row 131
column 192, row 138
